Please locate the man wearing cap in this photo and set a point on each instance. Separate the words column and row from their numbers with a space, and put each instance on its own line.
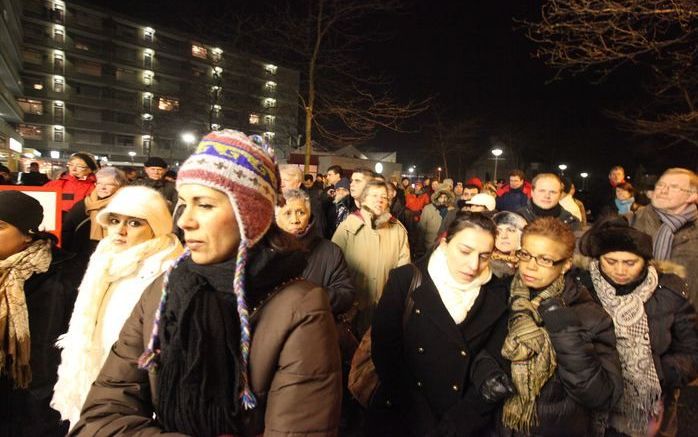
column 547, row 190
column 155, row 169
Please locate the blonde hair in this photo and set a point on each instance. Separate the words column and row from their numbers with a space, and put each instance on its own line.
column 692, row 177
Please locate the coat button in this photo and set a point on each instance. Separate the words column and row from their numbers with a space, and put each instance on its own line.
column 420, row 350
column 418, row 311
column 419, row 384
column 455, row 387
column 462, row 353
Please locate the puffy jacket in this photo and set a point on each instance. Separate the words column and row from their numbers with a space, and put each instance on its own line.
column 588, row 378
column 327, row 268
column 416, row 202
column 564, row 216
column 509, row 199
column 294, row 370
column 73, row 189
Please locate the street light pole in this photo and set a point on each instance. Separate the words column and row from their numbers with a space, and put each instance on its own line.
column 562, row 168
column 584, row 176
column 497, row 153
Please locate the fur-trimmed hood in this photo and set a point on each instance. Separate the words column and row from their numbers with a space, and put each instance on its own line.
column 665, row 267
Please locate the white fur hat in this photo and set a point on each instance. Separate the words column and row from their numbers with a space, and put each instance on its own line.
column 140, row 202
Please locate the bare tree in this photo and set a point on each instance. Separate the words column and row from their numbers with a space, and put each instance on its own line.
column 452, row 141
column 602, row 36
column 342, row 101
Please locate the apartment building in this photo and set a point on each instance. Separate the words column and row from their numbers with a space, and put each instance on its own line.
column 96, row 81
column 10, row 81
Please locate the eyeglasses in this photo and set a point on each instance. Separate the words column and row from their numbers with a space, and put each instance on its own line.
column 542, row 261
column 673, row 188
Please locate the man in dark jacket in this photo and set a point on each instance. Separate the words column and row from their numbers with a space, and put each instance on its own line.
column 5, row 176
column 34, row 177
column 155, row 169
column 547, row 190
column 514, row 196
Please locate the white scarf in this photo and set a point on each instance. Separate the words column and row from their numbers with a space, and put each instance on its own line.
column 81, row 356
column 458, row 297
column 641, row 389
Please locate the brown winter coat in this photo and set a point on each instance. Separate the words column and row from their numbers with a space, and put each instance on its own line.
column 294, row 370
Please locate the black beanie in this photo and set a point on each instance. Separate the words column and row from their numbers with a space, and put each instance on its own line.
column 614, row 234
column 155, row 161
column 87, row 158
column 21, row 211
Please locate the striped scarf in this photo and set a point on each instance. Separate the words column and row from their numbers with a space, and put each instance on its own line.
column 671, row 223
column 530, row 351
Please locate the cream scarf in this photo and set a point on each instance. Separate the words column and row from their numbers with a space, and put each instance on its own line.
column 641, row 389
column 15, row 342
column 458, row 297
column 81, row 357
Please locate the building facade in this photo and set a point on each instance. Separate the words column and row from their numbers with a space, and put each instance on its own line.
column 96, row 81
column 10, row 81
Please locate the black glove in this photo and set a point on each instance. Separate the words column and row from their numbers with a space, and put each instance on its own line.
column 556, row 315
column 497, row 387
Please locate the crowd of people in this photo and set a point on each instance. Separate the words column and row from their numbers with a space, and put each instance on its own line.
column 236, row 297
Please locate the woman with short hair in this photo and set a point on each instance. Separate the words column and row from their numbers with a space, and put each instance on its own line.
column 77, row 182
column 561, row 344
column 510, row 227
column 655, row 324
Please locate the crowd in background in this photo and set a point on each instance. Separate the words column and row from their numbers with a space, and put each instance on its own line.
column 239, row 297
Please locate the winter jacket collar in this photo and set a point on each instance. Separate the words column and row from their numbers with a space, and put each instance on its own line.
column 360, row 218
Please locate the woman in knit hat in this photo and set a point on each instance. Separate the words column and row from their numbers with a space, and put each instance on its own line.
column 37, row 291
column 137, row 250
column 80, row 231
column 241, row 345
column 78, row 181
column 655, row 324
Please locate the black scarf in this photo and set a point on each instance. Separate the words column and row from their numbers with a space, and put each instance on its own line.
column 199, row 372
column 540, row 212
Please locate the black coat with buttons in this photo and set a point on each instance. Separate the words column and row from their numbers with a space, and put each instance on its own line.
column 432, row 372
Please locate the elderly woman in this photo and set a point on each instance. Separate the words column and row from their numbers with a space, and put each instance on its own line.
column 37, row 291
column 561, row 343
column 373, row 243
column 436, row 348
column 80, row 232
column 654, row 322
column 137, row 250
column 442, row 201
column 509, row 229
column 78, row 181
column 242, row 346
column 326, row 265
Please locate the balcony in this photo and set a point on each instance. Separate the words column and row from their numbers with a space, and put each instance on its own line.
column 104, row 126
column 104, row 102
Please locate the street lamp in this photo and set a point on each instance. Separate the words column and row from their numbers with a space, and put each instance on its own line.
column 132, row 154
column 497, row 153
column 439, row 176
column 188, row 138
column 584, row 176
column 562, row 168
column 411, row 169
column 379, row 168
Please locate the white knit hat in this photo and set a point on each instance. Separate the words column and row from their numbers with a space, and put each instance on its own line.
column 140, row 202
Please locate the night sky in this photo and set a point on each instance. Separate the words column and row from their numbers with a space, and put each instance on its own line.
column 475, row 62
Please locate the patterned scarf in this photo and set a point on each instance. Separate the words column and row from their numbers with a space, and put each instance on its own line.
column 671, row 223
column 530, row 351
column 641, row 389
column 15, row 342
column 94, row 205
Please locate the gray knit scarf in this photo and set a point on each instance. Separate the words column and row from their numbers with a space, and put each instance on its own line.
column 670, row 224
column 641, row 390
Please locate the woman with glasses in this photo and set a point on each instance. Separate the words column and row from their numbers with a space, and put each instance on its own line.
column 138, row 248
column 437, row 349
column 655, row 325
column 80, row 232
column 561, row 344
column 77, row 182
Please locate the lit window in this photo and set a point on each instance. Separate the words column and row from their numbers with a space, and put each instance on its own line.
column 148, row 33
column 270, row 68
column 58, row 62
column 269, row 120
column 58, row 84
column 147, row 116
column 199, row 51
column 38, row 86
column 216, row 54
column 254, row 119
column 269, row 102
column 148, row 77
column 30, row 106
column 30, row 131
column 148, row 58
column 217, row 70
column 58, row 134
column 168, row 104
column 58, row 111
column 58, row 34
column 270, row 86
column 269, row 136
column 146, row 141
column 215, row 126
column 81, row 46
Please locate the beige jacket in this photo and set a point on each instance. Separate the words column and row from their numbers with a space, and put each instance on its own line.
column 371, row 253
column 294, row 370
